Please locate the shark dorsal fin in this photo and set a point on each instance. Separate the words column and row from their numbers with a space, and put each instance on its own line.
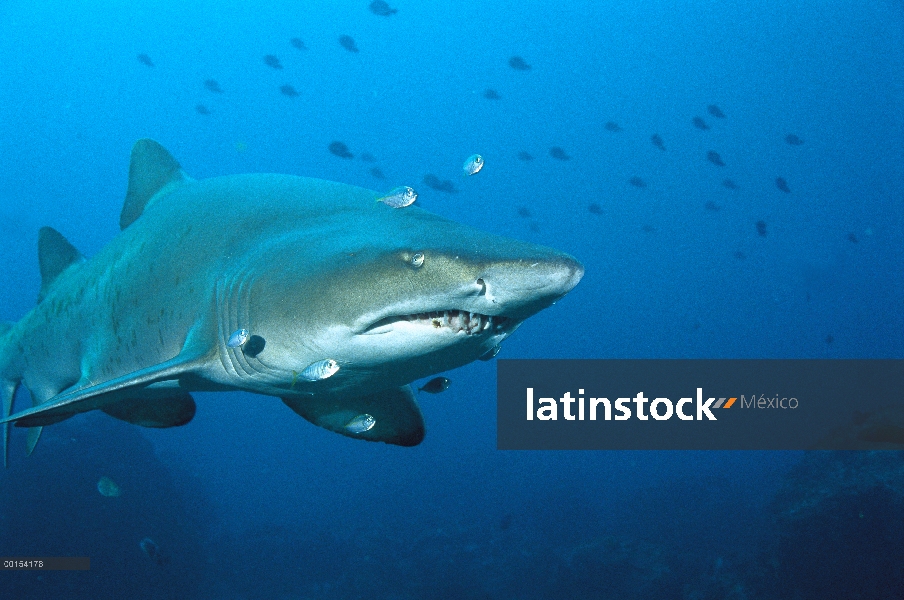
column 55, row 255
column 152, row 168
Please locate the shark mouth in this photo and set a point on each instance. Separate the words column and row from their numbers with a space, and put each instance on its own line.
column 455, row 320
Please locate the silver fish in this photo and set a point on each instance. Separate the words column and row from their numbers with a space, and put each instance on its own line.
column 489, row 354
column 399, row 197
column 360, row 424
column 238, row 338
column 322, row 369
column 107, row 487
column 473, row 165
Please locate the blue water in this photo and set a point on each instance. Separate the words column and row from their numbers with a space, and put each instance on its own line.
column 260, row 504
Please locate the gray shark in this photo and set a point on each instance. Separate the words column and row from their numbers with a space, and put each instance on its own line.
column 242, row 282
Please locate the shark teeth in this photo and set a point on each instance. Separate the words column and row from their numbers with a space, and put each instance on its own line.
column 456, row 320
column 459, row 320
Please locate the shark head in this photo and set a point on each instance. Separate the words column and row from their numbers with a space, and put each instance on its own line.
column 391, row 295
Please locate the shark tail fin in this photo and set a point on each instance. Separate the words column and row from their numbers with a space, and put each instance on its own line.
column 8, row 384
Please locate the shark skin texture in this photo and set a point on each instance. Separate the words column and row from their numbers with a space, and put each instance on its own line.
column 316, row 272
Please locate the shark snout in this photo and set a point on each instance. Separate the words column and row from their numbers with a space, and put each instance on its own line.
column 524, row 287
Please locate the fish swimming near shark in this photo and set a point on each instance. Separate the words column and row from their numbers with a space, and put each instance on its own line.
column 315, row 271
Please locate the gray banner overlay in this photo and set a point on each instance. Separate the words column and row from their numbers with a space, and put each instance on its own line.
column 45, row 563
column 700, row 404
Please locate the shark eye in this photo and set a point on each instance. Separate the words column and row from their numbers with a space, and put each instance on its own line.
column 417, row 260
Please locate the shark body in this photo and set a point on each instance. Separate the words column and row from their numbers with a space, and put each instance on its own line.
column 313, row 271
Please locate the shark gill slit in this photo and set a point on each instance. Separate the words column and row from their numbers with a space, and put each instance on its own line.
column 238, row 311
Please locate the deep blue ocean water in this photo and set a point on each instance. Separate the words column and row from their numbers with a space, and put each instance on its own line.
column 250, row 501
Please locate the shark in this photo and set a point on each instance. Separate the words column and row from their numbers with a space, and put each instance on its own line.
column 309, row 290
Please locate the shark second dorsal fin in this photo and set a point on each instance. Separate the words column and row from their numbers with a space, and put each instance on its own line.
column 152, row 168
column 55, row 255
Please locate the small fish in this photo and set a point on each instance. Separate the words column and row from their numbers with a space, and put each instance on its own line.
column 781, row 184
column 699, row 123
column 360, row 424
column 436, row 385
column 710, row 205
column 272, row 61
column 715, row 111
column 761, row 228
column 340, row 150
column 238, row 338
column 213, row 86
column 524, row 212
column 852, row 238
column 657, row 141
column 152, row 551
column 491, row 353
column 473, row 164
column 377, row 173
column 149, row 547
column 288, row 90
column 298, row 43
column 519, row 64
column 558, row 153
column 322, row 369
column 202, row 110
column 107, row 487
column 713, row 157
column 595, row 208
column 525, row 156
column 440, row 185
column 730, row 184
column 399, row 197
column 505, row 522
column 348, row 42
column 829, row 339
column 739, row 255
column 381, row 8
column 793, row 140
column 637, row 182
column 612, row 126
column 491, row 94
column 367, row 157
column 145, row 60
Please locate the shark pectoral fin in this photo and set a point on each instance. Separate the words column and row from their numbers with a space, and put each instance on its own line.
column 396, row 416
column 79, row 398
column 171, row 411
column 152, row 169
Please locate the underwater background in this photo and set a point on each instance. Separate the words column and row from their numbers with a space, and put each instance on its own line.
column 764, row 220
